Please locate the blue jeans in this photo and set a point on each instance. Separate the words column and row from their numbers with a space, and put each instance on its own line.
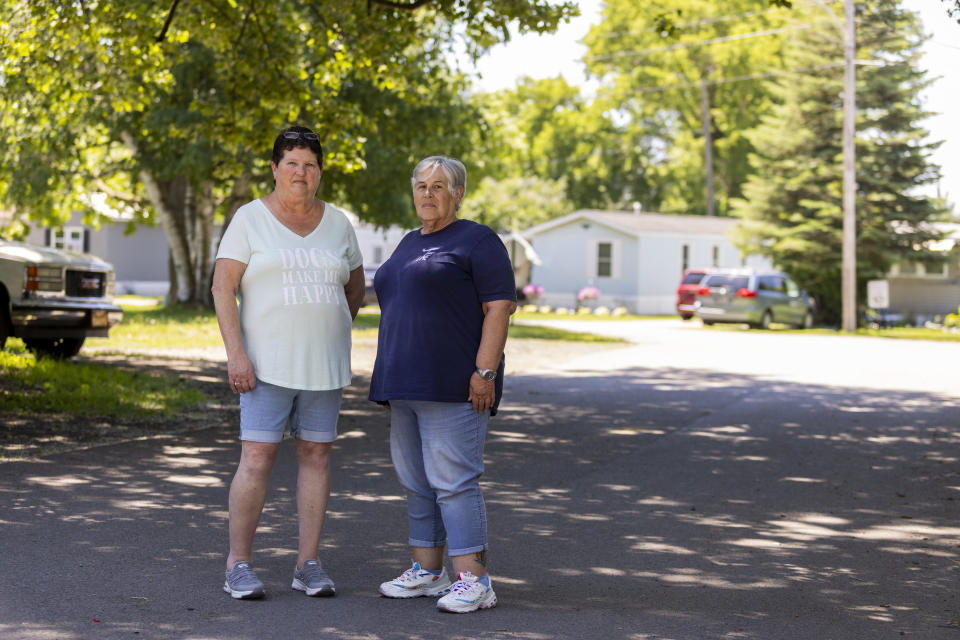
column 437, row 450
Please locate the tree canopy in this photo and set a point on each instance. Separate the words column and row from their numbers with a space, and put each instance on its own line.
column 700, row 78
column 792, row 209
column 172, row 113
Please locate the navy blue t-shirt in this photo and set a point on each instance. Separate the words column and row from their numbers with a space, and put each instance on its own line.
column 431, row 319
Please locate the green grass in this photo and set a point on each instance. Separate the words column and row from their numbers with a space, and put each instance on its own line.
column 151, row 326
column 90, row 389
column 369, row 319
column 586, row 317
column 911, row 333
column 146, row 327
column 157, row 327
column 530, row 332
column 896, row 333
column 30, row 385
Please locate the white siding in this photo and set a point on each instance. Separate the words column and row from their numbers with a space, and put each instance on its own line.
column 569, row 263
column 647, row 265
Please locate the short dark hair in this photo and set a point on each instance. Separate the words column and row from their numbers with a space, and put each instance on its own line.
column 283, row 144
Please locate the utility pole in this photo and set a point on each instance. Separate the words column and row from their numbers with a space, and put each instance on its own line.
column 848, row 266
column 707, row 139
column 848, row 289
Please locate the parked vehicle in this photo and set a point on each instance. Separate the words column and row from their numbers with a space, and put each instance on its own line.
column 54, row 299
column 687, row 291
column 754, row 298
column 369, row 294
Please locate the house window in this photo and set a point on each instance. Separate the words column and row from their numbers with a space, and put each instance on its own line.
column 910, row 268
column 716, row 256
column 686, row 257
column 604, row 259
column 69, row 238
column 377, row 255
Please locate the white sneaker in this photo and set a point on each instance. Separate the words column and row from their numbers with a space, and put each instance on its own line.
column 468, row 594
column 415, row 582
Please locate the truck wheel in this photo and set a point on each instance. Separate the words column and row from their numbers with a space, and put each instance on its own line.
column 58, row 348
column 4, row 329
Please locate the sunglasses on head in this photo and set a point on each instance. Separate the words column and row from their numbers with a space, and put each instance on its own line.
column 296, row 135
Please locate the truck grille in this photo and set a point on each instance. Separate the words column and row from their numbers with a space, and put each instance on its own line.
column 85, row 284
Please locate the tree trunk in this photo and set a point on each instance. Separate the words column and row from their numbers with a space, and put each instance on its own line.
column 170, row 202
column 239, row 195
column 186, row 212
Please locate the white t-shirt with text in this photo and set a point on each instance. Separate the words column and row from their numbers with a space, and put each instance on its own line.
column 293, row 310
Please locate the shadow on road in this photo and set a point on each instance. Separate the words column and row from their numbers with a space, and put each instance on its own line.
column 647, row 504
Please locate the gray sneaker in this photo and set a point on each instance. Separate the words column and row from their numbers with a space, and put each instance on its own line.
column 242, row 582
column 313, row 580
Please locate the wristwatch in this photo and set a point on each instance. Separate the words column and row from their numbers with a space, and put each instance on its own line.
column 487, row 374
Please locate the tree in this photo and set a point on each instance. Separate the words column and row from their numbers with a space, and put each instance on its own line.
column 169, row 111
column 398, row 132
column 546, row 129
column 954, row 10
column 690, row 72
column 792, row 209
column 516, row 203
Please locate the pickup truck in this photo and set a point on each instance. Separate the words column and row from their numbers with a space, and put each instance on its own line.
column 53, row 299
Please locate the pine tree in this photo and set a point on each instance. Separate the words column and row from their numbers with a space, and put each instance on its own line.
column 792, row 205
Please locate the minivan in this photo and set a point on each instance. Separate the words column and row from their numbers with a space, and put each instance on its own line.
column 757, row 298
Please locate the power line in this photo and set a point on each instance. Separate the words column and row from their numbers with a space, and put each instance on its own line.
column 756, row 76
column 943, row 44
column 700, row 43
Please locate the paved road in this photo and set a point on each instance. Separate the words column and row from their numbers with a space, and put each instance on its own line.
column 690, row 486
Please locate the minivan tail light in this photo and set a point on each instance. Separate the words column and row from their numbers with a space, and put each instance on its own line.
column 746, row 293
column 703, row 291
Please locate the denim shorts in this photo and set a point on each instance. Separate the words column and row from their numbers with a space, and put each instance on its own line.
column 267, row 410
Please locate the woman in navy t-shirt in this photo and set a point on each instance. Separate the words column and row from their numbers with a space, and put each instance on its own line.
column 446, row 295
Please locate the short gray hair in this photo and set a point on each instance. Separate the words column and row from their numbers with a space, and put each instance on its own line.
column 453, row 170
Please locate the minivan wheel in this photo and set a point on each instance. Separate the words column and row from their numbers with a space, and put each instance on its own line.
column 765, row 321
column 807, row 322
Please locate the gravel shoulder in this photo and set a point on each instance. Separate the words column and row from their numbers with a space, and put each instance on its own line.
column 39, row 435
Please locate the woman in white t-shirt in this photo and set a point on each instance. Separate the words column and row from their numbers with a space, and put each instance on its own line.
column 295, row 265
